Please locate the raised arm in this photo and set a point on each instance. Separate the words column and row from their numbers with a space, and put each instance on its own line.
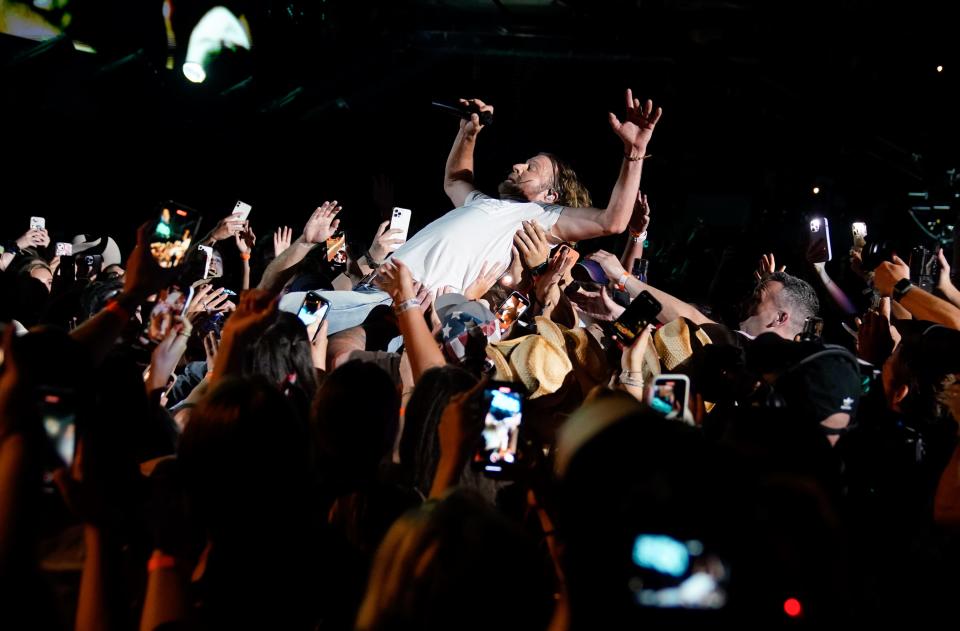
column 639, row 222
column 673, row 308
column 577, row 224
column 321, row 225
column 923, row 305
column 458, row 174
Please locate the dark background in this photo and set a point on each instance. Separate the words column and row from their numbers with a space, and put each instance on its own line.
column 762, row 102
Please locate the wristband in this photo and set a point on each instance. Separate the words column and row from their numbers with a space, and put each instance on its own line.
column 406, row 305
column 244, row 256
column 637, row 237
column 627, row 381
column 118, row 309
column 622, row 281
column 160, row 561
column 539, row 269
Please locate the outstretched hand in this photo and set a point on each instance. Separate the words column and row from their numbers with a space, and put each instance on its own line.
column 489, row 273
column 282, row 238
column 323, row 223
column 637, row 127
column 767, row 266
column 640, row 219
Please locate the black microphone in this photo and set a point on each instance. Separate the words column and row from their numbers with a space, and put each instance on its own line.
column 464, row 112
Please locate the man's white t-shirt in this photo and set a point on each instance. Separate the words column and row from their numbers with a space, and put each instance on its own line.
column 452, row 250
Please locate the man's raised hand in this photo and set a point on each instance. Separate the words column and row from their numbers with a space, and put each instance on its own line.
column 471, row 127
column 637, row 127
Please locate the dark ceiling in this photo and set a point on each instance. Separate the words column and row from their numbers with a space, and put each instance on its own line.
column 762, row 100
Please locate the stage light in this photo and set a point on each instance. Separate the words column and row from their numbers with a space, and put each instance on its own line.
column 792, row 608
column 939, row 68
column 816, row 190
column 216, row 31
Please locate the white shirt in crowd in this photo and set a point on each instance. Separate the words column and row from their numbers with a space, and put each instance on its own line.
column 452, row 250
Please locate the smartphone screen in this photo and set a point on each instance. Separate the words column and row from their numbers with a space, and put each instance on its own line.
column 674, row 573
column 37, row 223
column 642, row 311
column 59, row 422
column 670, row 395
column 337, row 248
column 242, row 210
column 498, row 450
column 400, row 220
column 175, row 230
column 820, row 250
column 63, row 249
column 314, row 309
column 172, row 301
column 511, row 310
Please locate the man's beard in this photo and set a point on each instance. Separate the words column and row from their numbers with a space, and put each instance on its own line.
column 510, row 190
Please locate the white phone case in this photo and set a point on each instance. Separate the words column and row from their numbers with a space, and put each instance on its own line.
column 242, row 210
column 400, row 220
column 37, row 223
column 64, row 249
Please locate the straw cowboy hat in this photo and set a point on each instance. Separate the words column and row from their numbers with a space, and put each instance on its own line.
column 676, row 342
column 539, row 362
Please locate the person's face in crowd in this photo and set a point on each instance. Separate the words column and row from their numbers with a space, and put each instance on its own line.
column 114, row 270
column 216, row 265
column 531, row 180
column 44, row 275
column 765, row 314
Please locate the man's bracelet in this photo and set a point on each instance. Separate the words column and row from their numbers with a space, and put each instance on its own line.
column 244, row 256
column 406, row 305
column 629, row 158
column 539, row 269
column 627, row 381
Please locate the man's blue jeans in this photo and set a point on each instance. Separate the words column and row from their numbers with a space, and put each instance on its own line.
column 347, row 308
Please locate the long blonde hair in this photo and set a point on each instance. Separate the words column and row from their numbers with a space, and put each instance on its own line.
column 569, row 189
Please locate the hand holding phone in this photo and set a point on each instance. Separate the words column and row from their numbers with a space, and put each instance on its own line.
column 337, row 249
column 38, row 223
column 313, row 310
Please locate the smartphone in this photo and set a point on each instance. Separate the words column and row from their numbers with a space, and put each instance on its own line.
column 812, row 329
column 859, row 230
column 38, row 223
column 208, row 253
column 511, row 310
column 173, row 233
column 172, row 301
column 497, row 455
column 88, row 265
column 670, row 395
column 642, row 311
column 58, row 414
column 313, row 309
column 400, row 220
column 673, row 573
column 63, row 249
column 337, row 249
column 924, row 268
column 242, row 210
column 819, row 250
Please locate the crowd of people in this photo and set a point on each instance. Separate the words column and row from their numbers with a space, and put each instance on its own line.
column 460, row 428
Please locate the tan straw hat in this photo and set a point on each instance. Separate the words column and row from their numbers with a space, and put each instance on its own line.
column 675, row 342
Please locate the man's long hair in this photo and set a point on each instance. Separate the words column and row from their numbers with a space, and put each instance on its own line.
column 570, row 191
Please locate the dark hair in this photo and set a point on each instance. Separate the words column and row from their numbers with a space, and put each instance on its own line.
column 355, row 416
column 437, row 563
column 569, row 189
column 282, row 355
column 95, row 296
column 244, row 457
column 420, row 442
column 928, row 365
column 797, row 295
